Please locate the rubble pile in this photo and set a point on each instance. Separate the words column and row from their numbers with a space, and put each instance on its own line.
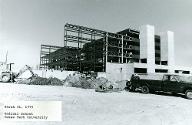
column 85, row 84
column 100, row 81
column 40, row 81
column 102, row 84
column 80, row 81
column 45, row 81
column 55, row 81
column 121, row 84
column 22, row 81
column 99, row 84
column 72, row 80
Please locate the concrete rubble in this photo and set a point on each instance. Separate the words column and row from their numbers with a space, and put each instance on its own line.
column 100, row 84
column 40, row 81
column 78, row 80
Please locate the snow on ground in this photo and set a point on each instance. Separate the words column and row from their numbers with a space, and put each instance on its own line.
column 87, row 107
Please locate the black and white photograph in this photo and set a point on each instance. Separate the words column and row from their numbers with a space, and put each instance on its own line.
column 95, row 62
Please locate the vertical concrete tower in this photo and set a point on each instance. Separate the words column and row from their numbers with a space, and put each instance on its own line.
column 167, row 49
column 147, row 46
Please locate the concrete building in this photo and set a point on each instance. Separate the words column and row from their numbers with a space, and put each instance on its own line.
column 117, row 55
column 156, row 56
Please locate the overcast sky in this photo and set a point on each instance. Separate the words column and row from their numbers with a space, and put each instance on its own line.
column 26, row 24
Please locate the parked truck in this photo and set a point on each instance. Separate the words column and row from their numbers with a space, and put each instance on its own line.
column 168, row 83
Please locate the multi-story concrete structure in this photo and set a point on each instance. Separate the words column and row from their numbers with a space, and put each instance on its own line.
column 117, row 55
column 156, row 56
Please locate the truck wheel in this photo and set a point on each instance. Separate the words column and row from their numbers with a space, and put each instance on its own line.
column 145, row 89
column 6, row 78
column 188, row 94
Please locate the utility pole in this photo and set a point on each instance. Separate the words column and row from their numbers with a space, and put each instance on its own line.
column 6, row 57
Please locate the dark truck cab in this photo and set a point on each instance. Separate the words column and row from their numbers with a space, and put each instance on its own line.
column 168, row 83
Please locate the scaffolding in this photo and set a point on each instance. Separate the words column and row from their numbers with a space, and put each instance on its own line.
column 88, row 49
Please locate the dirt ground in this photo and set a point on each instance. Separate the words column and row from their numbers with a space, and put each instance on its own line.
column 87, row 107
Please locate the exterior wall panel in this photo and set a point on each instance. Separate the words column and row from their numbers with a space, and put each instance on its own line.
column 147, row 46
column 167, row 51
column 116, row 71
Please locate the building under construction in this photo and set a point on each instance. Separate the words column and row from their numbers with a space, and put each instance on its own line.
column 118, row 55
column 88, row 49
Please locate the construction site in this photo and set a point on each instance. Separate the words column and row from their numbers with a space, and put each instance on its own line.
column 93, row 62
column 116, row 55
column 88, row 54
column 88, row 49
column 86, row 60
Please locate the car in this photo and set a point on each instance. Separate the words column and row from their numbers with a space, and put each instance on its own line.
column 168, row 83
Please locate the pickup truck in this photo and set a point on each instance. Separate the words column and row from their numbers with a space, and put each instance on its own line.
column 169, row 83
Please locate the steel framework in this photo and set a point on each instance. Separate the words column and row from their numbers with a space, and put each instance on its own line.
column 92, row 49
column 45, row 55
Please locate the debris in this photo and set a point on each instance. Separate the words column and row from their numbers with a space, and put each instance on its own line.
column 22, row 81
column 80, row 80
column 40, row 81
column 55, row 81
column 100, row 84
column 73, row 80
column 104, row 87
column 121, row 84
column 108, row 86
